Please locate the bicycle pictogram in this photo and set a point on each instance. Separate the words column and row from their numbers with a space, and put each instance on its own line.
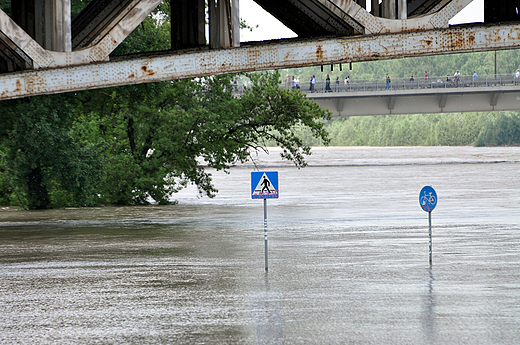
column 428, row 198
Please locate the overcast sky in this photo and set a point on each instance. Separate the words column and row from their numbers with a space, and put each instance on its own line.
column 271, row 28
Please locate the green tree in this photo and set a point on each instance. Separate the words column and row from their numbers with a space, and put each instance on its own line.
column 502, row 129
column 44, row 164
column 163, row 136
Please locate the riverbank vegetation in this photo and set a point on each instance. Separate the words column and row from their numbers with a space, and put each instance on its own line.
column 478, row 129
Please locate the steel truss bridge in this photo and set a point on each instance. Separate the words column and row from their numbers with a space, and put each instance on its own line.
column 44, row 51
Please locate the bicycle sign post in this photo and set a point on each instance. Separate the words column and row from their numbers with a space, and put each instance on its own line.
column 264, row 185
column 428, row 201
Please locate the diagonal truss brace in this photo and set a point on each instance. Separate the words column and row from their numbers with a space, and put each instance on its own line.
column 42, row 58
column 378, row 25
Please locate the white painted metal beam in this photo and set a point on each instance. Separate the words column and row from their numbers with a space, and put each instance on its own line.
column 254, row 57
column 377, row 25
column 43, row 58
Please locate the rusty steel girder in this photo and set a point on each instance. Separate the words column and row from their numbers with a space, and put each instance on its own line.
column 259, row 56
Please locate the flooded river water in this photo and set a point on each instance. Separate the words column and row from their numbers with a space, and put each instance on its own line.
column 348, row 258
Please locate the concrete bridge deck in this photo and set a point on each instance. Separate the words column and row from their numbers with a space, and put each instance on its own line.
column 371, row 97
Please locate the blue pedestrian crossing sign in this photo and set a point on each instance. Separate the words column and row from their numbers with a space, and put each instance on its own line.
column 264, row 185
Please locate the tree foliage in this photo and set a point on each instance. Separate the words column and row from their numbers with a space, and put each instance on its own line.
column 134, row 144
column 162, row 136
column 44, row 164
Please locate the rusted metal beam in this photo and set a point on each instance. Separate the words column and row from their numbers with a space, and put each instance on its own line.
column 224, row 24
column 254, row 57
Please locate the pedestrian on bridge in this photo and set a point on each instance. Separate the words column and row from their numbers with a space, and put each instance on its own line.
column 313, row 82
column 517, row 75
column 425, row 76
column 456, row 76
column 388, row 81
column 327, row 84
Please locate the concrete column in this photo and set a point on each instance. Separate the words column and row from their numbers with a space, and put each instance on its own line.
column 48, row 24
column 235, row 23
column 223, row 28
column 402, row 9
column 213, row 24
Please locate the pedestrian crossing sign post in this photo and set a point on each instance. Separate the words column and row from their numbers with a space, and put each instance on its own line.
column 264, row 185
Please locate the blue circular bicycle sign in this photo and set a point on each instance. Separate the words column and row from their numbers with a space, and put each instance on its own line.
column 428, row 198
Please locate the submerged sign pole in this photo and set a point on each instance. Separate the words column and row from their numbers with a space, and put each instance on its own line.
column 264, row 185
column 430, row 232
column 428, row 201
column 265, row 236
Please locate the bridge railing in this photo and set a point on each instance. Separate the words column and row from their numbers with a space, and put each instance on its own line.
column 465, row 81
column 360, row 85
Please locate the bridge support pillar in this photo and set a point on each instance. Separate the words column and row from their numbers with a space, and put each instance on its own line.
column 188, row 23
column 494, row 99
column 402, row 9
column 224, row 24
column 375, row 8
column 389, row 9
column 61, row 36
column 46, row 21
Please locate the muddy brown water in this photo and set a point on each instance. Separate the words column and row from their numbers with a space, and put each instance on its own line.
column 348, row 258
